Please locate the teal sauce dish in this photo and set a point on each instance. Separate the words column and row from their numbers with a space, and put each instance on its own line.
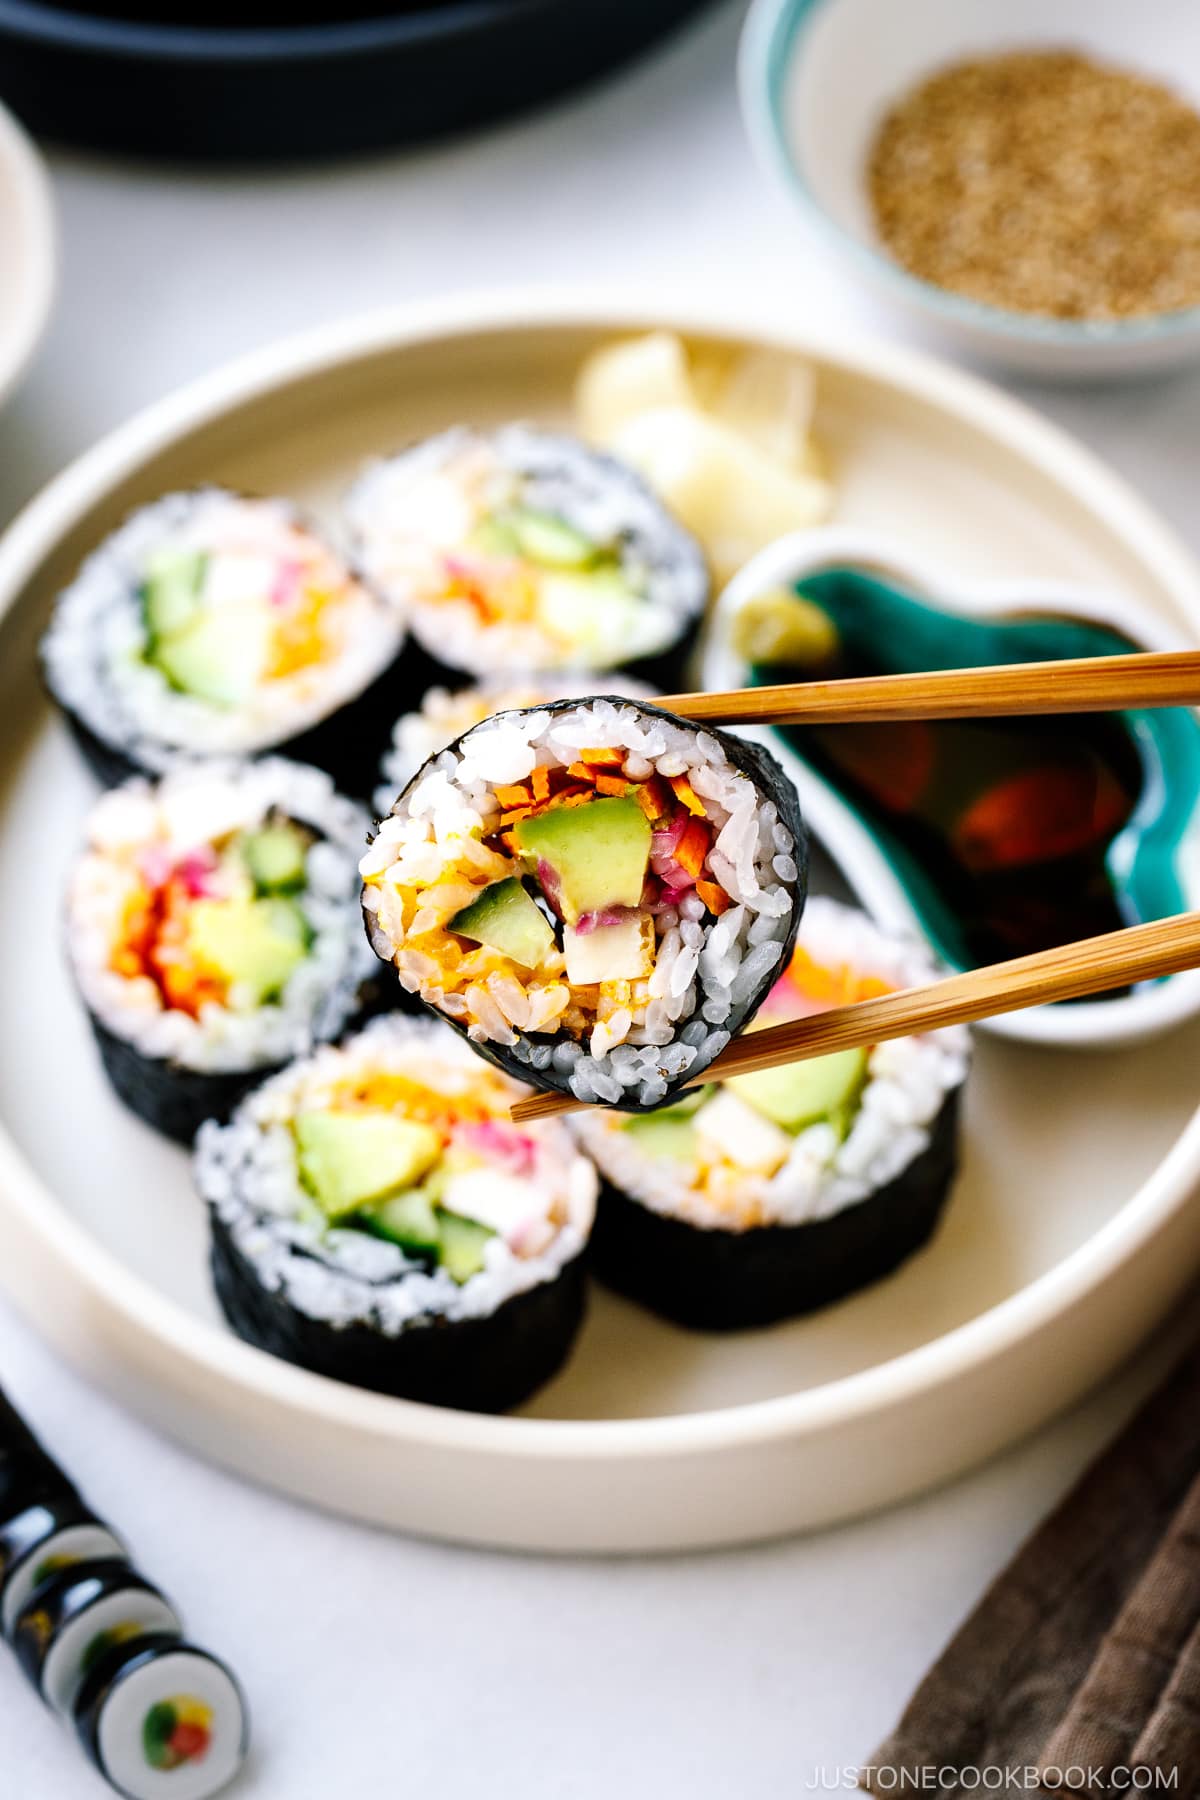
column 991, row 838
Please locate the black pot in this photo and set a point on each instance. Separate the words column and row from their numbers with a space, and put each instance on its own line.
column 226, row 81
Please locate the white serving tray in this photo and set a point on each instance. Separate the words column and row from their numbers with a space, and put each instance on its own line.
column 1071, row 1229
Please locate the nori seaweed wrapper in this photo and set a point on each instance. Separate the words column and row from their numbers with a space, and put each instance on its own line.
column 714, row 1280
column 173, row 1099
column 768, row 776
column 486, row 1364
column 348, row 743
column 176, row 1100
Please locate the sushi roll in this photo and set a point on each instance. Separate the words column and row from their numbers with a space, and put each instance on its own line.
column 521, row 549
column 162, row 1720
column 51, row 1532
column 79, row 1614
column 211, row 624
column 596, row 894
column 445, row 715
column 377, row 1218
column 779, row 1191
column 213, row 931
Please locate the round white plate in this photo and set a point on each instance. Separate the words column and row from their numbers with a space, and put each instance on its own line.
column 27, row 238
column 1069, row 1233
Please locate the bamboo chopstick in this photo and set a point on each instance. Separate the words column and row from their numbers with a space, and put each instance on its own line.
column 1073, row 685
column 1069, row 972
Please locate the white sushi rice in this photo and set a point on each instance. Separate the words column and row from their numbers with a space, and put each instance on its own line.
column 445, row 715
column 701, row 979
column 247, row 1171
column 407, row 513
column 93, row 652
column 187, row 809
column 909, row 1081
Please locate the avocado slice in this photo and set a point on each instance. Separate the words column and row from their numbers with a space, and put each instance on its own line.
column 797, row 1094
column 463, row 1243
column 275, row 858
column 595, row 855
column 348, row 1159
column 665, row 1134
column 171, row 589
column 594, row 610
column 506, row 919
column 255, row 943
column 217, row 655
column 405, row 1219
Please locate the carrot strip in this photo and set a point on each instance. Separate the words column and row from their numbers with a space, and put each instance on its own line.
column 611, row 784
column 713, row 896
column 574, row 794
column 652, row 798
column 541, row 782
column 687, row 796
column 510, row 818
column 693, row 847
column 580, row 771
column 516, row 795
column 603, row 759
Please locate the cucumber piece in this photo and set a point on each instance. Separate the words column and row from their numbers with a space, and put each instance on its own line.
column 275, row 858
column 463, row 1243
column 405, row 1219
column 171, row 590
column 549, row 540
column 506, row 919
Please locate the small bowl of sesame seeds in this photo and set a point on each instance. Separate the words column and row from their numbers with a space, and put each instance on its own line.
column 1023, row 175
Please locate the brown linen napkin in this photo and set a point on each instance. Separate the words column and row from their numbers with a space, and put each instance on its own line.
column 1008, row 1680
column 1171, row 1740
column 1134, row 1668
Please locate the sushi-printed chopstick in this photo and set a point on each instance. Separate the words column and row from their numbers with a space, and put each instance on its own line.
column 1080, row 685
column 1068, row 972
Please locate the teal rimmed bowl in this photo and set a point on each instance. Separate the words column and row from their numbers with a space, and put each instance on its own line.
column 817, row 76
column 878, row 593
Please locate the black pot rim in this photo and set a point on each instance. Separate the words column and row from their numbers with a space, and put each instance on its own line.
column 107, row 36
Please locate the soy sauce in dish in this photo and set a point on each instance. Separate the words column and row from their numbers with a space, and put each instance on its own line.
column 1010, row 820
column 1002, row 829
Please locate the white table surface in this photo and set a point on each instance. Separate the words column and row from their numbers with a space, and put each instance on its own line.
column 378, row 1666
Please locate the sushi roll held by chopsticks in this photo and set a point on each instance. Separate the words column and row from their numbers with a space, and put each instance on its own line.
column 211, row 624
column 595, row 893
